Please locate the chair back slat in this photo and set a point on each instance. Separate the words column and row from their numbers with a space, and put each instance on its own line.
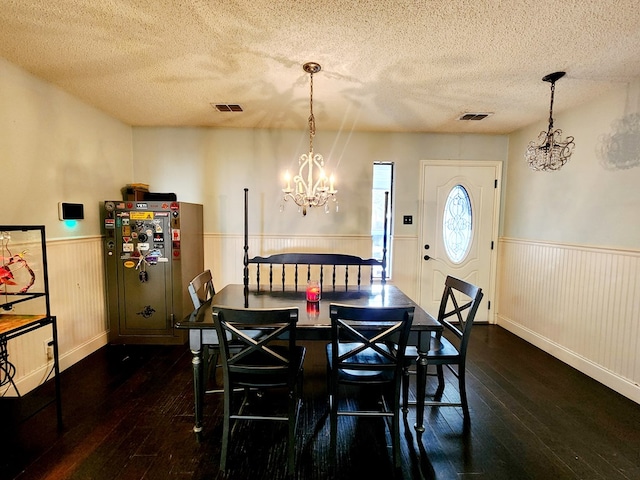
column 383, row 330
column 256, row 354
column 460, row 302
column 201, row 288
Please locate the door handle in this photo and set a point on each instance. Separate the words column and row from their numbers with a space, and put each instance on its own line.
column 426, row 257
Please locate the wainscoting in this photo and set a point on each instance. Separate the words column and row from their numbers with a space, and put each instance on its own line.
column 77, row 295
column 578, row 303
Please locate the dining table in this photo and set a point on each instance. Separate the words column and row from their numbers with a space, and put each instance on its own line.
column 314, row 323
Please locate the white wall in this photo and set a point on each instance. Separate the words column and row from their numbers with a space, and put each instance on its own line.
column 213, row 167
column 584, row 203
column 570, row 252
column 55, row 148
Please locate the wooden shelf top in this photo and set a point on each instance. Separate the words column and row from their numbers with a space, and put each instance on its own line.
column 10, row 322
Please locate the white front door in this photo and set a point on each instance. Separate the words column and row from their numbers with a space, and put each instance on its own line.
column 459, row 208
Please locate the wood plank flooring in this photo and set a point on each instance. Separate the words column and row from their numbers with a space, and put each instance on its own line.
column 128, row 414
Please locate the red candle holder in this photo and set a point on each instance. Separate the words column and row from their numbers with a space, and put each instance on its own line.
column 313, row 291
column 313, row 310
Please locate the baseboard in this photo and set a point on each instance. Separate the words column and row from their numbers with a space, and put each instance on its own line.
column 617, row 383
column 37, row 377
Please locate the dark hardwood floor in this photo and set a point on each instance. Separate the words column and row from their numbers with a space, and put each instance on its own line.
column 128, row 415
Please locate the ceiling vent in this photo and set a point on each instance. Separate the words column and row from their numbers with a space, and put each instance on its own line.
column 474, row 116
column 227, row 107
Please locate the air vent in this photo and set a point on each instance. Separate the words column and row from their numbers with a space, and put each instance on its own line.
column 227, row 107
column 474, row 116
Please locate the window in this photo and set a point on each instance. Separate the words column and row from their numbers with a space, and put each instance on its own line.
column 382, row 182
column 457, row 224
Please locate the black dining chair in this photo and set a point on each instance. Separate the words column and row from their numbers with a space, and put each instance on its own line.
column 201, row 289
column 271, row 361
column 367, row 350
column 458, row 307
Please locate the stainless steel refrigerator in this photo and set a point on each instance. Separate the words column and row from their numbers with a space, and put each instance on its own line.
column 151, row 250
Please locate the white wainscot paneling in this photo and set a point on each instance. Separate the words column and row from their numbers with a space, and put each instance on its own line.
column 77, row 294
column 404, row 267
column 580, row 304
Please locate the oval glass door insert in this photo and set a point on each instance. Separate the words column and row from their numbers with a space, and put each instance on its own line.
column 457, row 224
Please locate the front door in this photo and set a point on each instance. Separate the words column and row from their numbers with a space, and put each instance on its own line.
column 459, row 203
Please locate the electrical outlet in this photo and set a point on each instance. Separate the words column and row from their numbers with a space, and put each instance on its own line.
column 48, row 348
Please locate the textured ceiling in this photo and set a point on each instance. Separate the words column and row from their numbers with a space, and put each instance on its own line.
column 387, row 65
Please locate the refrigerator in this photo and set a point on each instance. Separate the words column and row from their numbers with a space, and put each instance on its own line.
column 152, row 249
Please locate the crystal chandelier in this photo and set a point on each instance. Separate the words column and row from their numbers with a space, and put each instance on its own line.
column 550, row 152
column 311, row 187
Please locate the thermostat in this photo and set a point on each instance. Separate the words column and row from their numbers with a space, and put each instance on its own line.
column 70, row 211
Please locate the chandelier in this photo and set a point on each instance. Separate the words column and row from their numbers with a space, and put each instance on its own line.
column 550, row 152
column 311, row 186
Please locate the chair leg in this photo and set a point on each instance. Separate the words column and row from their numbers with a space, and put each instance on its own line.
column 421, row 387
column 440, row 389
column 395, row 436
column 406, row 378
column 463, row 396
column 291, row 440
column 333, row 422
column 226, row 425
column 295, row 402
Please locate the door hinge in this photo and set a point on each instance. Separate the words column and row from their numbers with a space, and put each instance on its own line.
column 491, row 244
column 489, row 305
column 495, row 183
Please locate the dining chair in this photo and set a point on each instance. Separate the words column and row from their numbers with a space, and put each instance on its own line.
column 458, row 307
column 367, row 350
column 271, row 361
column 201, row 289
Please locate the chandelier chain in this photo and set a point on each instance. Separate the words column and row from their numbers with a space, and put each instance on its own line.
column 312, row 119
column 553, row 89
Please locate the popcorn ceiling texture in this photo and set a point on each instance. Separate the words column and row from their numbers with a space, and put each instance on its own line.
column 386, row 65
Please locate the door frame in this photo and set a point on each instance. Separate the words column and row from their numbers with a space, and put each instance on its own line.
column 424, row 164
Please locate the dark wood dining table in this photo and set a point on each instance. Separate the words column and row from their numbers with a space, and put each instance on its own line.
column 313, row 324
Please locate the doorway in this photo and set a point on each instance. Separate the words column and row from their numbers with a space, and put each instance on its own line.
column 459, row 213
